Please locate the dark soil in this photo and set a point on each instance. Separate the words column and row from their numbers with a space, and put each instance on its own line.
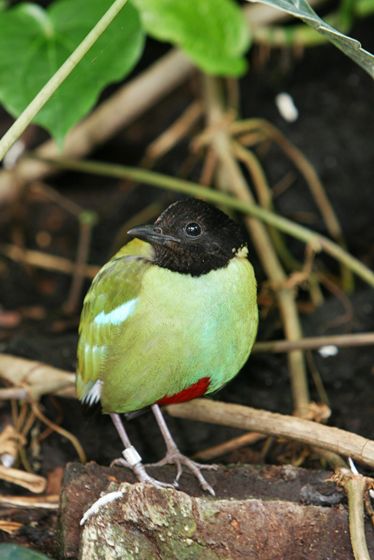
column 334, row 130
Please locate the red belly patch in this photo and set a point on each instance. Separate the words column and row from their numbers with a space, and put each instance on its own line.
column 192, row 392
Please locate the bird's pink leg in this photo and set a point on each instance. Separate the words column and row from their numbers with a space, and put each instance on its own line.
column 132, row 459
column 174, row 456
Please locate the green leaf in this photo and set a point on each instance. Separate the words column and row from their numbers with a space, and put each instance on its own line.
column 15, row 552
column 351, row 47
column 213, row 33
column 35, row 42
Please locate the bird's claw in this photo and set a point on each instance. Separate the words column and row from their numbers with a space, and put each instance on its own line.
column 142, row 475
column 175, row 457
column 119, row 462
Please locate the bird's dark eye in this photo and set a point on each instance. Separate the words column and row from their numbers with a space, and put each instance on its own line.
column 193, row 229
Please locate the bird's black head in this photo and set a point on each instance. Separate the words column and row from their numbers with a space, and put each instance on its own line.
column 192, row 237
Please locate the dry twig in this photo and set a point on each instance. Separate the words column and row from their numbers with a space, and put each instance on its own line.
column 317, row 241
column 172, row 135
column 45, row 261
column 310, row 176
column 355, row 486
column 32, row 482
column 10, row 440
column 43, row 502
column 86, row 223
column 230, row 445
column 35, row 377
column 304, row 431
column 232, row 176
column 314, row 342
column 10, row 527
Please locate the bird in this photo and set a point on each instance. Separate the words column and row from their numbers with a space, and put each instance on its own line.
column 171, row 317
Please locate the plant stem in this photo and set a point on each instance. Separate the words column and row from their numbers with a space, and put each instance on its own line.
column 355, row 488
column 317, row 241
column 231, row 178
column 315, row 342
column 46, row 261
column 280, row 425
column 87, row 221
column 58, row 78
column 264, row 196
column 311, row 178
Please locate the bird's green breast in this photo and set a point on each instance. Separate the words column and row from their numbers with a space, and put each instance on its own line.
column 177, row 330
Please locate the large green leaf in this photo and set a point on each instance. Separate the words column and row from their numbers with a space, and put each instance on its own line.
column 213, row 33
column 34, row 43
column 351, row 47
column 15, row 552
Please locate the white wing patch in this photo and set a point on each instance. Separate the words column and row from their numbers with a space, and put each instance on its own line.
column 117, row 315
column 93, row 394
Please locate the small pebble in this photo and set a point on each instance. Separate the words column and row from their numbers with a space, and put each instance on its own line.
column 286, row 107
column 327, row 351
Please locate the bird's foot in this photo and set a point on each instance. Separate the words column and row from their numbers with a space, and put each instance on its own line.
column 141, row 474
column 175, row 457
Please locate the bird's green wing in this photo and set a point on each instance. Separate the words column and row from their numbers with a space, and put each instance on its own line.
column 111, row 299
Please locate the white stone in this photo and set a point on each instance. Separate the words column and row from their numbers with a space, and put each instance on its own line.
column 286, row 107
column 327, row 351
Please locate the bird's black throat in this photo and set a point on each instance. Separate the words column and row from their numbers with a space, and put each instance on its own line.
column 189, row 261
column 205, row 238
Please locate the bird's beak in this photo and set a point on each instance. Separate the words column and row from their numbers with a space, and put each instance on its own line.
column 152, row 234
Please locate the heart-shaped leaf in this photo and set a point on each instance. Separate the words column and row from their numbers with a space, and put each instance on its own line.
column 213, row 33
column 35, row 42
column 303, row 10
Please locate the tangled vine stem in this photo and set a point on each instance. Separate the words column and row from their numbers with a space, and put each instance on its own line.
column 231, row 178
column 315, row 240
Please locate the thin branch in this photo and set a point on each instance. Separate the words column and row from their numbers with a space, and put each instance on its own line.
column 45, row 261
column 174, row 134
column 32, row 482
column 37, row 378
column 279, row 425
column 314, row 342
column 86, row 223
column 355, row 486
column 355, row 490
column 265, row 199
column 61, row 431
column 44, row 502
column 13, row 393
column 228, row 446
column 46, row 191
column 310, row 175
column 231, row 177
column 317, row 241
